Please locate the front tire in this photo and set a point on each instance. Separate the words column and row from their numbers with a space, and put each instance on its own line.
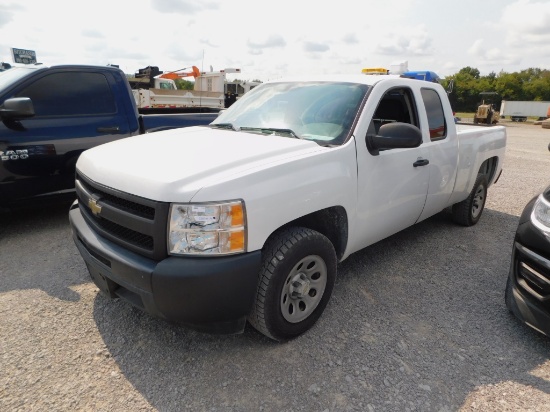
column 468, row 212
column 295, row 285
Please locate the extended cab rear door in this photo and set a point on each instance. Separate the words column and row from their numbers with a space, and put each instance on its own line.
column 75, row 109
column 441, row 141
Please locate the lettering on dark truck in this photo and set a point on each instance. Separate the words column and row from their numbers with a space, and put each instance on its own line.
column 246, row 220
column 50, row 115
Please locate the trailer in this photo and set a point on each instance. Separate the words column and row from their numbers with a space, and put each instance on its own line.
column 519, row 111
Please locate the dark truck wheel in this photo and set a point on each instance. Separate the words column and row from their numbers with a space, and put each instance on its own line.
column 296, row 281
column 468, row 212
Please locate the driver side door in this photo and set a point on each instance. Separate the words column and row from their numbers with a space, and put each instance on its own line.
column 393, row 184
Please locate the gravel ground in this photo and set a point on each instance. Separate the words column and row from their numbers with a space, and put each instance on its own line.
column 417, row 322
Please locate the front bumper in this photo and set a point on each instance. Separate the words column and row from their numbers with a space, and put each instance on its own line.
column 528, row 290
column 210, row 294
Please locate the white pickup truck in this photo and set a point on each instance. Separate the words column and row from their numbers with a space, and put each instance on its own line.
column 248, row 218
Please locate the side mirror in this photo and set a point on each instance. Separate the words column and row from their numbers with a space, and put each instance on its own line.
column 394, row 136
column 17, row 108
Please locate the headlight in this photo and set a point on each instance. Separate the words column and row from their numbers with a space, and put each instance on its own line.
column 207, row 228
column 541, row 215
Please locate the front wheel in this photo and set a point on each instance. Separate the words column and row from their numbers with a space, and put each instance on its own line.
column 468, row 212
column 296, row 282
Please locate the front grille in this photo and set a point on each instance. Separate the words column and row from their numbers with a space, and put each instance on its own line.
column 133, row 222
column 131, row 236
column 533, row 273
column 124, row 204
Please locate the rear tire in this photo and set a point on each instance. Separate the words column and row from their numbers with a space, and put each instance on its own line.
column 295, row 285
column 468, row 212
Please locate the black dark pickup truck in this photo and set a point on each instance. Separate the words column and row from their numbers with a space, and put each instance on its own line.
column 50, row 115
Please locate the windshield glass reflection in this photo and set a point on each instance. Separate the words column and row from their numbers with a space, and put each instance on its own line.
column 320, row 111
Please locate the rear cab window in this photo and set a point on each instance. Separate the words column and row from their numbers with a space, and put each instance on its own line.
column 435, row 113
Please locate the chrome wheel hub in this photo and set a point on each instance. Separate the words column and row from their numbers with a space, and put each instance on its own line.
column 299, row 286
column 303, row 288
column 479, row 199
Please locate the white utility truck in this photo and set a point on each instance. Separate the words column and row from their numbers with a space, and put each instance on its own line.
column 155, row 91
column 248, row 218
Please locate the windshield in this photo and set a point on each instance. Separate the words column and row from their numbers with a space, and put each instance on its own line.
column 320, row 111
column 11, row 76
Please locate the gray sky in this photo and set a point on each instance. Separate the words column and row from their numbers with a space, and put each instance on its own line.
column 271, row 39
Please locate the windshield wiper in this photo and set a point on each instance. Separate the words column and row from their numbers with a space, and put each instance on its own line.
column 272, row 130
column 225, row 126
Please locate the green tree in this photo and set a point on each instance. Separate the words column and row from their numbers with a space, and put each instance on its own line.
column 536, row 84
column 529, row 84
column 468, row 72
column 467, row 86
column 183, row 84
column 509, row 86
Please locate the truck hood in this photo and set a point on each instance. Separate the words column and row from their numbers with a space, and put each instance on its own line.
column 173, row 165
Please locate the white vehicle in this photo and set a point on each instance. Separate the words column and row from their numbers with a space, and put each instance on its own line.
column 156, row 91
column 239, row 88
column 518, row 111
column 247, row 218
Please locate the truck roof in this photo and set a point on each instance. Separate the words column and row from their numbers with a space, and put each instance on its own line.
column 29, row 68
column 368, row 79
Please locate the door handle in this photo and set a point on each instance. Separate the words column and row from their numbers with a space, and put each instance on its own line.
column 112, row 129
column 421, row 162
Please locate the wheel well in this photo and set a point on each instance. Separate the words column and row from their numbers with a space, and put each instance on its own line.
column 488, row 168
column 331, row 222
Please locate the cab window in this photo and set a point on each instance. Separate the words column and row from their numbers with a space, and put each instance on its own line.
column 436, row 116
column 70, row 94
column 397, row 105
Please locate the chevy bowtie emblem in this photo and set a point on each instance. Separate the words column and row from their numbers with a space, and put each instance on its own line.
column 94, row 206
